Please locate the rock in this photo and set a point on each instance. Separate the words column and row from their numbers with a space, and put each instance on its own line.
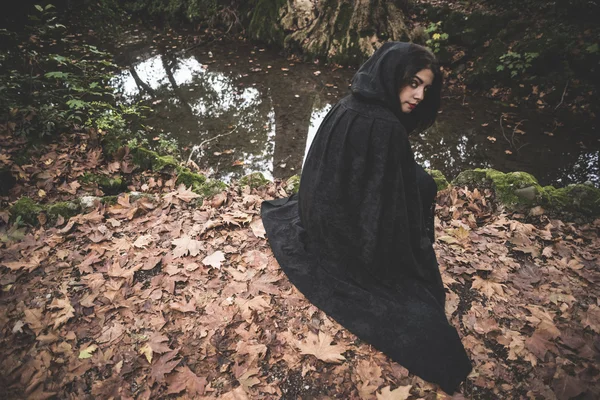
column 439, row 178
column 254, row 180
column 292, row 185
column 528, row 193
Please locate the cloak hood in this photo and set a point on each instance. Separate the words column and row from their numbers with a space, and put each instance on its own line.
column 379, row 79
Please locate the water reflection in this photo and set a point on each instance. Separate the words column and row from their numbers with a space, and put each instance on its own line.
column 243, row 111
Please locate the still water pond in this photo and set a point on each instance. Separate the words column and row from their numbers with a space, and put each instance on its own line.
column 238, row 108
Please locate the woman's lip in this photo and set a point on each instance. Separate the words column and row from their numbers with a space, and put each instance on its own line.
column 412, row 106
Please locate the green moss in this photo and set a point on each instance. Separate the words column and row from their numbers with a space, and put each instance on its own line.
column 512, row 189
column 27, row 210
column 150, row 160
column 191, row 180
column 506, row 186
column 109, row 185
column 515, row 189
column 292, row 185
column 210, row 188
column 67, row 209
column 109, row 200
column 439, row 178
column 199, row 184
column 575, row 198
column 254, row 180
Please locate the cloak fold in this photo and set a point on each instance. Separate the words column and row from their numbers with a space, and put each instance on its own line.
column 357, row 239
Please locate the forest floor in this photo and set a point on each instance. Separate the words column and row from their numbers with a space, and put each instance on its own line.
column 170, row 297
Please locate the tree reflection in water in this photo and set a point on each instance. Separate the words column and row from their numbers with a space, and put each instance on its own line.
column 278, row 110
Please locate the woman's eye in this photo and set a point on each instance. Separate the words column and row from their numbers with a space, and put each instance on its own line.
column 414, row 84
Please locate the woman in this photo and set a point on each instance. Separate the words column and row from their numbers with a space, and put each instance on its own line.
column 357, row 239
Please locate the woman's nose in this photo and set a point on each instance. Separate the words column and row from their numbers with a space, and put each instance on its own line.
column 418, row 95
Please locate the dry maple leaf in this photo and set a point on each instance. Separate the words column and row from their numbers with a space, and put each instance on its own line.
column 258, row 303
column 368, row 371
column 163, row 366
column 185, row 378
column 66, row 311
column 321, row 347
column 181, row 193
column 248, row 379
column 156, row 344
column 111, row 333
column 33, row 318
column 256, row 259
column 185, row 245
column 400, row 393
column 264, row 284
column 592, row 318
column 142, row 241
column 28, row 263
column 183, row 307
column 487, row 287
column 236, row 394
column 258, row 229
column 566, row 386
column 538, row 345
column 214, row 260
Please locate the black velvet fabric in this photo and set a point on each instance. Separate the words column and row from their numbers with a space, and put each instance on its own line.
column 357, row 239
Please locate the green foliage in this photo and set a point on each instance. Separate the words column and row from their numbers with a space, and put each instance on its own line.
column 166, row 145
column 51, row 81
column 437, row 37
column 516, row 63
column 26, row 210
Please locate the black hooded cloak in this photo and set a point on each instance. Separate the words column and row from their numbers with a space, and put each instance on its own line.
column 357, row 239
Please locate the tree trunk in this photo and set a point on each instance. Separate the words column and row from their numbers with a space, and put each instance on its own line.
column 340, row 31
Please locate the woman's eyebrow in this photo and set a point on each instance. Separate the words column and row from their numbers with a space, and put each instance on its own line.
column 420, row 80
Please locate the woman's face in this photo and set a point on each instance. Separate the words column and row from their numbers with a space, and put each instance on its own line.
column 413, row 93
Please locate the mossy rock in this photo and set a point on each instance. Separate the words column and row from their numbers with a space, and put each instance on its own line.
column 199, row 184
column 254, row 180
column 190, row 179
column 27, row 209
column 520, row 189
column 292, row 185
column 151, row 160
column 211, row 187
column 512, row 189
column 439, row 178
column 109, row 185
column 66, row 209
column 581, row 198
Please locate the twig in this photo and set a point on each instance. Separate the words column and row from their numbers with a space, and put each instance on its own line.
column 501, row 127
column 563, row 96
column 199, row 147
column 512, row 138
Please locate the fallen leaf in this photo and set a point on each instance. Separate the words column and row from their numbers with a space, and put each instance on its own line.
column 66, row 311
column 142, row 241
column 214, row 260
column 185, row 379
column 186, row 245
column 236, row 394
column 257, row 228
column 592, row 318
column 163, row 366
column 321, row 347
column 400, row 393
column 87, row 352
